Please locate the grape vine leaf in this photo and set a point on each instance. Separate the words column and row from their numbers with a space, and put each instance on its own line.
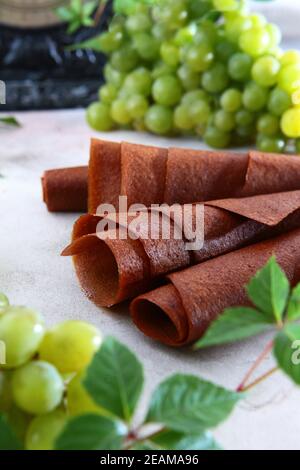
column 8, row 439
column 188, row 404
column 293, row 309
column 173, row 440
column 114, row 379
column 287, row 351
column 10, row 121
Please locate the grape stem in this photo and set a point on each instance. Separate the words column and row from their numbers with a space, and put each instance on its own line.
column 99, row 12
column 243, row 385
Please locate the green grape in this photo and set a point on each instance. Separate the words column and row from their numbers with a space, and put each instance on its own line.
column 236, row 26
column 147, row 46
column 110, row 41
column 290, row 123
column 258, row 20
column 274, row 34
column 268, row 125
column 206, row 33
column 169, row 53
column 297, row 146
column 124, row 59
column 224, row 120
column 98, row 117
column 21, row 330
column 78, row 399
column 107, row 93
column 4, row 302
column 194, row 95
column 197, row 9
column 18, row 421
column 244, row 118
column 216, row 138
column 270, row 144
column 185, row 35
column 161, row 69
column 265, row 71
column 255, row 97
column 70, row 345
column 199, row 58
column 138, row 23
column 200, row 112
column 224, row 50
column 182, row 117
column 37, row 387
column 290, row 57
column 289, row 78
column 139, row 82
column 255, row 41
column 160, row 32
column 215, row 79
column 167, row 90
column 188, row 78
column 119, row 112
column 239, row 66
column 172, row 14
column 226, row 5
column 113, row 76
column 43, row 430
column 279, row 102
column 231, row 100
column 5, row 391
column 137, row 106
column 159, row 119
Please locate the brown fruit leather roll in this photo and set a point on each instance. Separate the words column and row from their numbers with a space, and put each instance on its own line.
column 113, row 270
column 66, row 189
column 180, row 312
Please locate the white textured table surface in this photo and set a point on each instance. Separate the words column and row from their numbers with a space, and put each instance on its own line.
column 33, row 273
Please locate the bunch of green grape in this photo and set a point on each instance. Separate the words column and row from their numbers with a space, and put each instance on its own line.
column 200, row 67
column 40, row 377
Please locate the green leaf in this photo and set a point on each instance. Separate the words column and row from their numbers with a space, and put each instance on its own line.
column 4, row 302
column 233, row 325
column 114, row 379
column 93, row 43
column 91, row 432
column 64, row 13
column 88, row 8
column 293, row 309
column 269, row 289
column 76, row 6
column 73, row 26
column 10, row 121
column 188, row 404
column 173, row 440
column 287, row 351
column 8, row 439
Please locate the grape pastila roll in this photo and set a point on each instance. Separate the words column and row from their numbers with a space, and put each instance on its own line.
column 151, row 175
column 180, row 312
column 119, row 266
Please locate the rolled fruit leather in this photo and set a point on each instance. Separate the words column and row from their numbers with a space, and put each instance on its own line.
column 180, row 312
column 116, row 267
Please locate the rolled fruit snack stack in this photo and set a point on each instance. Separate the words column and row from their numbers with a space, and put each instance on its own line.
column 151, row 175
column 116, row 268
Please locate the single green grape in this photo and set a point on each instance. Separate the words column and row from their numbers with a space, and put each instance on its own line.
column 124, row 59
column 290, row 123
column 167, row 90
column 224, row 120
column 279, row 102
column 161, row 69
column 43, row 430
column 265, row 71
column 255, row 97
column 236, row 26
column 200, row 112
column 216, row 138
column 231, row 100
column 159, row 119
column 215, row 79
column 98, row 117
column 244, row 118
column 140, row 22
column 37, row 387
column 270, row 144
column 172, row 14
column 139, row 81
column 119, row 112
column 239, row 66
column 199, row 57
column 290, row 57
column 137, row 106
column 274, row 34
column 255, row 41
column 194, row 95
column 185, row 35
column 107, row 93
column 268, row 125
column 110, row 41
column 113, row 76
column 4, row 302
column 5, row 391
column 147, row 46
column 70, row 345
column 169, row 53
column 78, row 399
column 188, row 78
column 257, row 20
column 289, row 78
column 21, row 330
column 182, row 117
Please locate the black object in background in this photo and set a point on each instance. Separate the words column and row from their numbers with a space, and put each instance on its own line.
column 38, row 71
